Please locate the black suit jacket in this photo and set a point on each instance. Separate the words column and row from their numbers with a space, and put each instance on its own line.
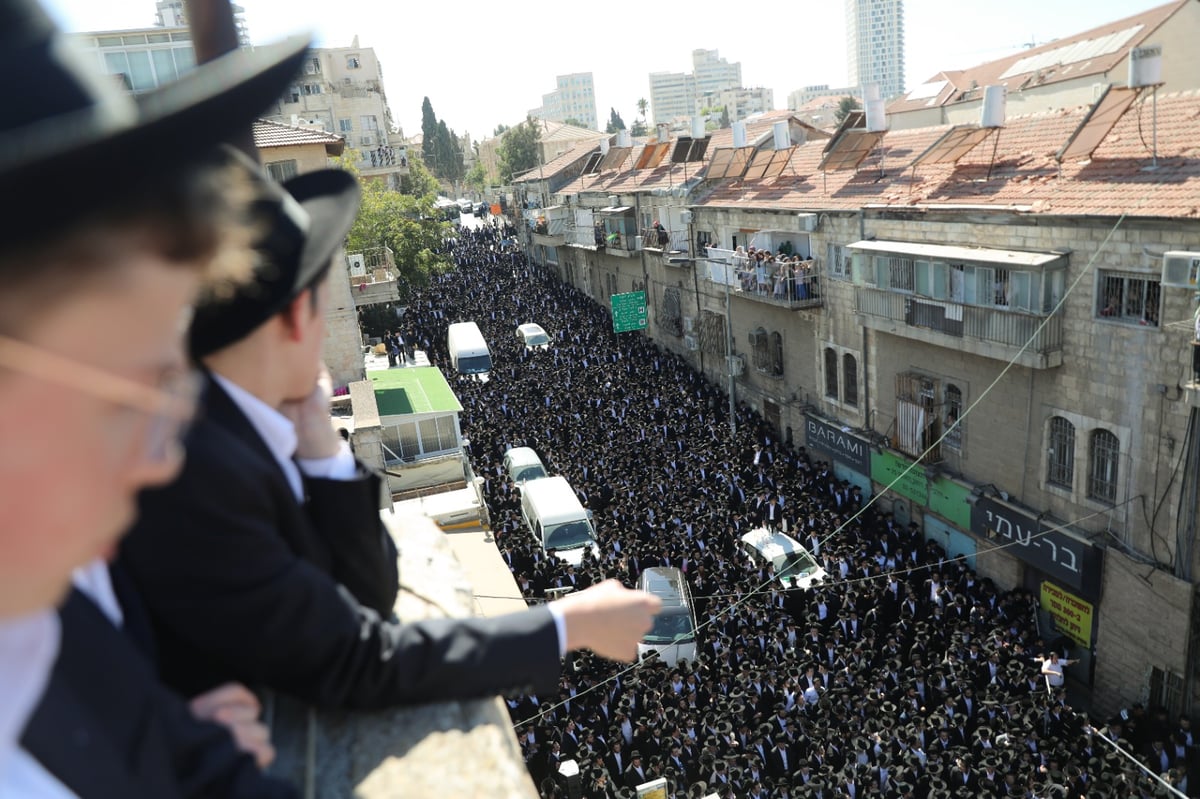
column 244, row 583
column 105, row 727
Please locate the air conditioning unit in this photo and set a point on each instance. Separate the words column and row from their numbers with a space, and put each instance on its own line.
column 736, row 365
column 689, row 324
column 753, row 338
column 367, row 141
column 358, row 265
column 691, row 342
column 1180, row 270
column 685, row 217
column 808, row 222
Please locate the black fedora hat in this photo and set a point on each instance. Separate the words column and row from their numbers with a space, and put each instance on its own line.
column 67, row 124
column 305, row 221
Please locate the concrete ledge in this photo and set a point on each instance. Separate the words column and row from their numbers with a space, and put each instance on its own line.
column 438, row 750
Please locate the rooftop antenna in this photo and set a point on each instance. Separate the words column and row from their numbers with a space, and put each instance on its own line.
column 1145, row 69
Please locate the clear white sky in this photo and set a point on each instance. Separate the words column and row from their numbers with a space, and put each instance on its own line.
column 483, row 63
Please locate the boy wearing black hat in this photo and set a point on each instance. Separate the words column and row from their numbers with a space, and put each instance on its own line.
column 93, row 298
column 278, row 570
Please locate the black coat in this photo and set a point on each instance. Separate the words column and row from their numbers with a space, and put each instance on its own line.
column 105, row 727
column 244, row 583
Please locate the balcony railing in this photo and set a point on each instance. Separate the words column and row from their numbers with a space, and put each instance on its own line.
column 665, row 240
column 789, row 287
column 1009, row 329
column 384, row 157
column 591, row 238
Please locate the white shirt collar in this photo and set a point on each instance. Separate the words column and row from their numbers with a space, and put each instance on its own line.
column 28, row 648
column 275, row 429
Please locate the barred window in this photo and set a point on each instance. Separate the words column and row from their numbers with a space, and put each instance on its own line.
column 837, row 261
column 953, row 408
column 901, row 274
column 1103, row 452
column 777, row 354
column 762, row 350
column 831, row 373
column 670, row 318
column 850, row 380
column 1061, row 460
column 1129, row 298
column 712, row 333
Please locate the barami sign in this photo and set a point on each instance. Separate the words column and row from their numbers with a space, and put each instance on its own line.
column 845, row 448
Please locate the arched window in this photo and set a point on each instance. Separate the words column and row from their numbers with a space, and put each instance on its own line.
column 850, row 380
column 777, row 354
column 1061, row 453
column 1103, row 453
column 831, row 373
column 953, row 408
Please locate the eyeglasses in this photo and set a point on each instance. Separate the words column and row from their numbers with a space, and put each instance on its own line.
column 170, row 405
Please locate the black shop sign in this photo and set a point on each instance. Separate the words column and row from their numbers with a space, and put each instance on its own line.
column 844, row 448
column 1067, row 560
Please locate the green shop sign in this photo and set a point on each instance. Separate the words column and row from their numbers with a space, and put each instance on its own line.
column 886, row 467
column 948, row 499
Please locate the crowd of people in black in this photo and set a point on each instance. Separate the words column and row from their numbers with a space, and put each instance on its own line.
column 904, row 675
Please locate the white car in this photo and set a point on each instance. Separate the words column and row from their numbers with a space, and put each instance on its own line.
column 533, row 337
column 523, row 464
column 794, row 565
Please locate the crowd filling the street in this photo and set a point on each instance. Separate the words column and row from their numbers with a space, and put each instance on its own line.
column 903, row 674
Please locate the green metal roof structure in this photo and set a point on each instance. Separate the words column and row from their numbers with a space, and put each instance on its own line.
column 413, row 390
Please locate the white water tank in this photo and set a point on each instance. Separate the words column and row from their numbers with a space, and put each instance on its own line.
column 604, row 145
column 876, row 117
column 624, row 139
column 739, row 134
column 782, row 134
column 995, row 99
column 1145, row 66
column 697, row 127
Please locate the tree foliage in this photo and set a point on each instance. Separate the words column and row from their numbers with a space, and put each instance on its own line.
column 642, row 105
column 845, row 106
column 639, row 128
column 725, row 120
column 476, row 178
column 419, row 182
column 518, row 149
column 407, row 224
column 615, row 122
column 440, row 147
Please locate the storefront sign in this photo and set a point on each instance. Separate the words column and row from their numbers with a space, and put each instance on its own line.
column 837, row 445
column 1072, row 615
column 1066, row 559
column 948, row 499
column 887, row 469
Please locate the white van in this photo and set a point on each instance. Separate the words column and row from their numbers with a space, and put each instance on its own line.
column 468, row 350
column 673, row 635
column 793, row 564
column 522, row 464
column 558, row 519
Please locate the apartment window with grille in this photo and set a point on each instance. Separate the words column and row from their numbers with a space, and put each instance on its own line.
column 953, row 407
column 838, row 262
column 670, row 317
column 1128, row 298
column 901, row 274
column 918, row 419
column 1104, row 449
column 1166, row 690
column 831, row 373
column 762, row 350
column 777, row 354
column 1061, row 453
column 712, row 333
column 280, row 171
column 850, row 380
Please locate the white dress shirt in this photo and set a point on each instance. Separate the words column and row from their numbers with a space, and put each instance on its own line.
column 28, row 648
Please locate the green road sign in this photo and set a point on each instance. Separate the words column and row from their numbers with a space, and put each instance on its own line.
column 629, row 311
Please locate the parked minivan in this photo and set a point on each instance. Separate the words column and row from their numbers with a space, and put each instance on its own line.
column 793, row 564
column 673, row 635
column 557, row 519
column 522, row 464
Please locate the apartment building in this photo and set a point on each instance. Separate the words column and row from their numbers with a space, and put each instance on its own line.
column 875, row 45
column 573, row 98
column 675, row 94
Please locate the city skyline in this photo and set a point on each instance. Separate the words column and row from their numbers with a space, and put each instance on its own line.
column 485, row 75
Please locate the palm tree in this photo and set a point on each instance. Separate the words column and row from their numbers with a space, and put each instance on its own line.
column 642, row 105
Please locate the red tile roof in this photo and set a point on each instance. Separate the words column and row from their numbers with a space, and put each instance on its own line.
column 269, row 134
column 1082, row 61
column 1024, row 173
